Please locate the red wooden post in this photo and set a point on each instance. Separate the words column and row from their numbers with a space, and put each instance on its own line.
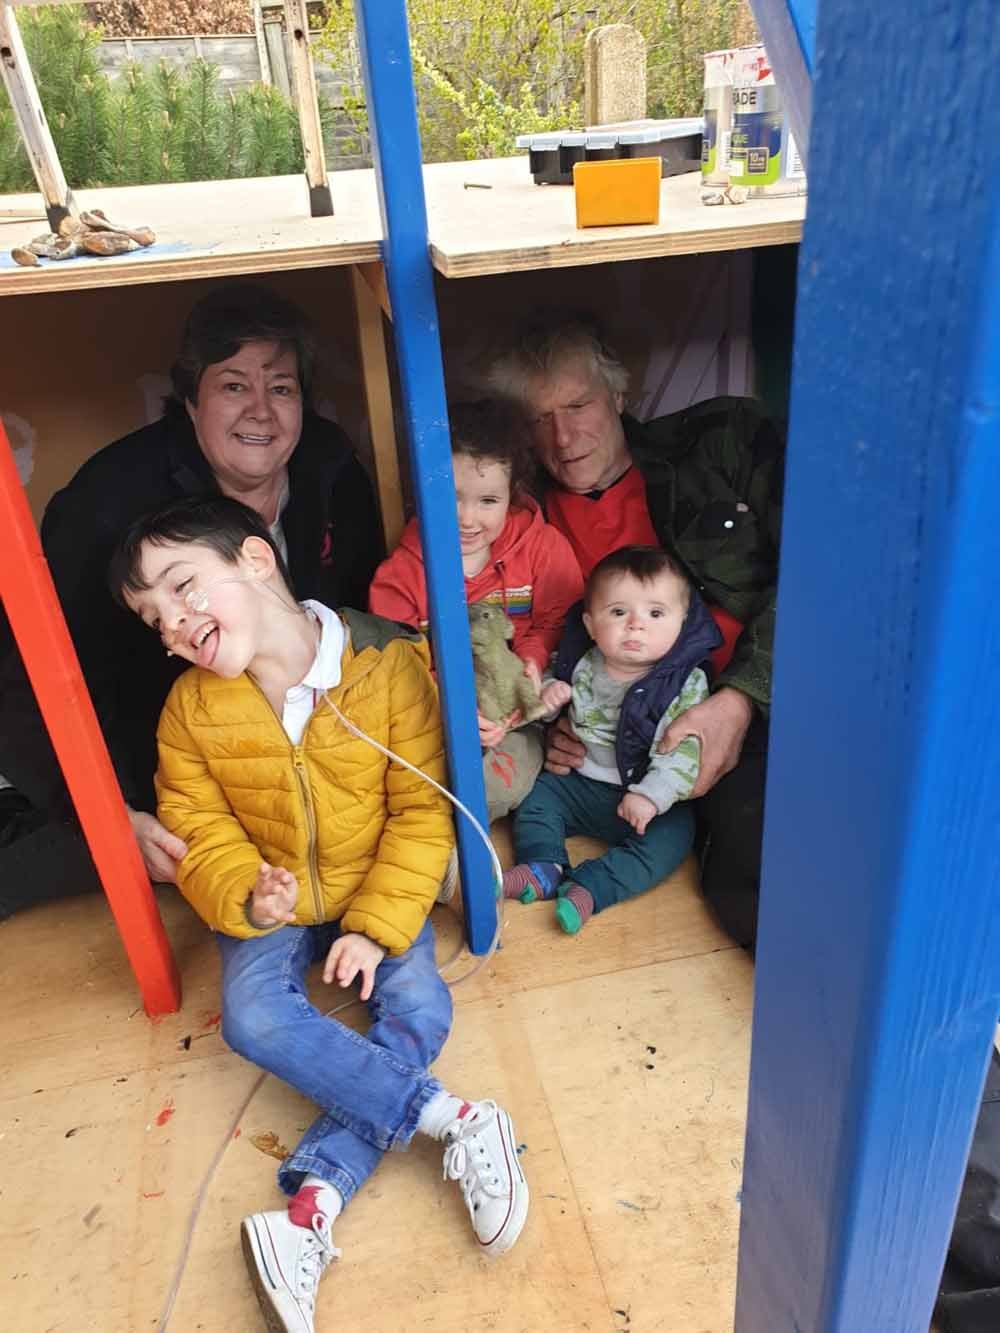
column 29, row 597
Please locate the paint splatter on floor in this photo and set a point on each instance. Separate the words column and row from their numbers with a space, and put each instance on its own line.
column 166, row 1112
column 269, row 1143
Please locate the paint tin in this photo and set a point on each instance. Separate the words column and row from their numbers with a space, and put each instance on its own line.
column 718, row 126
column 762, row 153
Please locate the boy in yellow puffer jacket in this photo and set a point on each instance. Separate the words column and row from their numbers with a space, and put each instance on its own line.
column 305, row 843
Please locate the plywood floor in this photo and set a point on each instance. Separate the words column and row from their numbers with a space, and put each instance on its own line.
column 622, row 1055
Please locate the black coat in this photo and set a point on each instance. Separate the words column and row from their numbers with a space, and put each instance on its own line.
column 331, row 527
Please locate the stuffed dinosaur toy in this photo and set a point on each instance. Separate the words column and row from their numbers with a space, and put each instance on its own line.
column 501, row 685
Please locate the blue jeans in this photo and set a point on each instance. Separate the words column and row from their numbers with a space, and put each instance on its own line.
column 560, row 806
column 371, row 1088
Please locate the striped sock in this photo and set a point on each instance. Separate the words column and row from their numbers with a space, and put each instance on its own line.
column 574, row 908
column 533, row 879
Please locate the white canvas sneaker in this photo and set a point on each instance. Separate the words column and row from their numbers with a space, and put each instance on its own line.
column 285, row 1263
column 481, row 1154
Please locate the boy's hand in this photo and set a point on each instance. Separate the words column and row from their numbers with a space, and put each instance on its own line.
column 349, row 955
column 555, row 694
column 160, row 849
column 636, row 810
column 273, row 897
column 492, row 733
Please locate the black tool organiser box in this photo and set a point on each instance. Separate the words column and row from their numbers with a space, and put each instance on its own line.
column 552, row 155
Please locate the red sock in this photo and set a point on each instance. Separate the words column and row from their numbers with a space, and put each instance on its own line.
column 317, row 1198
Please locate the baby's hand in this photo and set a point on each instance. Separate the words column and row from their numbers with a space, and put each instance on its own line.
column 273, row 897
column 349, row 955
column 636, row 810
column 555, row 694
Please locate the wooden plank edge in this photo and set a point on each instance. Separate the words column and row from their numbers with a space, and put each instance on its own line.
column 574, row 255
column 102, row 273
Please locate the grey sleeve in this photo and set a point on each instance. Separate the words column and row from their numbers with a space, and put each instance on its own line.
column 671, row 777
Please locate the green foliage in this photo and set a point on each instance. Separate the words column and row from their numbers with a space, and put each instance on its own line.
column 273, row 145
column 15, row 174
column 149, row 125
column 484, row 124
column 136, row 125
column 488, row 70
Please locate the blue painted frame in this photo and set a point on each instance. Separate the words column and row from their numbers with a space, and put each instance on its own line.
column 878, row 966
column 788, row 29
column 383, row 40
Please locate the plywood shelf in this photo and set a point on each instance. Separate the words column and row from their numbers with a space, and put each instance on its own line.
column 207, row 229
column 483, row 217
column 490, row 217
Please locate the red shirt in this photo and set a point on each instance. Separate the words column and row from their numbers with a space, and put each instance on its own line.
column 600, row 522
column 597, row 524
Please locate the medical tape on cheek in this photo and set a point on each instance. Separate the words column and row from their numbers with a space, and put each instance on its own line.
column 196, row 599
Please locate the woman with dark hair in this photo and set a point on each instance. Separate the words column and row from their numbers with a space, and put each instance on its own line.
column 239, row 422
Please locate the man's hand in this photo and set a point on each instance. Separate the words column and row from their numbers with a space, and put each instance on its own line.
column 720, row 724
column 349, row 955
column 565, row 750
column 636, row 810
column 555, row 694
column 160, row 849
column 273, row 897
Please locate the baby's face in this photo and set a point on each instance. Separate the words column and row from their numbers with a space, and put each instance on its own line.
column 482, row 489
column 634, row 623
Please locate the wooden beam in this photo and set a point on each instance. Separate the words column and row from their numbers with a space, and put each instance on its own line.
column 383, row 39
column 297, row 24
column 30, row 117
column 788, row 28
column 374, row 275
column 263, row 60
column 878, row 958
column 32, row 605
column 378, row 397
column 274, row 40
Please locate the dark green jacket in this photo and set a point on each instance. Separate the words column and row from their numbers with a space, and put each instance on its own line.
column 713, row 485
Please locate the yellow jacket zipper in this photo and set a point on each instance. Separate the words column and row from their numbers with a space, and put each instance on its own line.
column 307, row 801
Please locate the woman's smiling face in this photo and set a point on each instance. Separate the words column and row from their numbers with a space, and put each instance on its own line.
column 248, row 417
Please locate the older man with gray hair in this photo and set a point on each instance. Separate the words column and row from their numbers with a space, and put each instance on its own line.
column 705, row 485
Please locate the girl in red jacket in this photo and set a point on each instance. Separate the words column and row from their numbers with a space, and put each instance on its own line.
column 510, row 557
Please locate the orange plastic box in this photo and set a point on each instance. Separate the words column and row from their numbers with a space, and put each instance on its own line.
column 616, row 192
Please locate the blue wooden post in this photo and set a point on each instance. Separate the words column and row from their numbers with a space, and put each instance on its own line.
column 385, row 57
column 788, row 29
column 878, row 967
